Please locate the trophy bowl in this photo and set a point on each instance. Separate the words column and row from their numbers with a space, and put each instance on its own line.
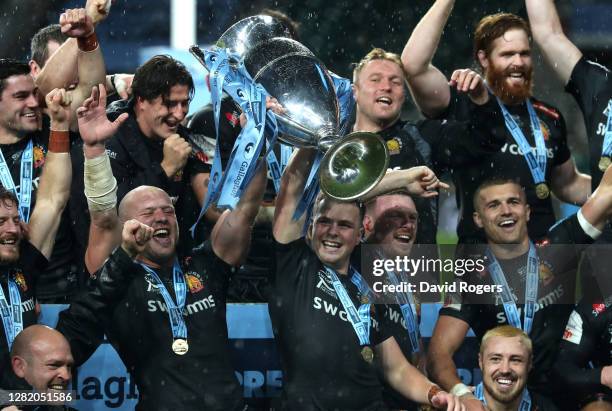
column 353, row 166
column 299, row 81
column 249, row 32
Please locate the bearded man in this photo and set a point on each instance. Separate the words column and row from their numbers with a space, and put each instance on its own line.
column 536, row 148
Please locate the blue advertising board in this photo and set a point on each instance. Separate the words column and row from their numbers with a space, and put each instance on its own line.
column 103, row 383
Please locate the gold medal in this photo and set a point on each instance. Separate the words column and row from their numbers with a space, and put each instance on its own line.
column 180, row 346
column 367, row 354
column 542, row 191
column 364, row 299
column 604, row 163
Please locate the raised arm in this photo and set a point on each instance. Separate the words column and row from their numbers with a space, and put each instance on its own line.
column 100, row 184
column 285, row 229
column 90, row 62
column 231, row 235
column 428, row 86
column 560, row 53
column 597, row 210
column 54, row 188
column 60, row 69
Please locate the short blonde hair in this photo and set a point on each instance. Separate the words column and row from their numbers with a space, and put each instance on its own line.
column 377, row 54
column 507, row 331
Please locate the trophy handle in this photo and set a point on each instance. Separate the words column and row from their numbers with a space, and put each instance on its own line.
column 198, row 54
column 353, row 166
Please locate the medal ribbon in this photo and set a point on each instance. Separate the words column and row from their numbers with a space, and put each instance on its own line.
column 175, row 311
column 25, row 184
column 531, row 289
column 408, row 306
column 359, row 319
column 537, row 162
column 525, row 400
column 12, row 317
column 606, row 148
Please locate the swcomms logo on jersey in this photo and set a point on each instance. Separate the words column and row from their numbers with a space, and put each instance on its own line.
column 396, row 317
column 553, row 297
column 515, row 150
column 325, row 284
column 192, row 308
column 333, row 310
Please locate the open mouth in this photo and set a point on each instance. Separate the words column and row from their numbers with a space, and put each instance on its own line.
column 8, row 241
column 58, row 387
column 31, row 115
column 331, row 244
column 403, row 237
column 384, row 100
column 161, row 233
column 171, row 124
column 162, row 236
column 505, row 383
column 508, row 223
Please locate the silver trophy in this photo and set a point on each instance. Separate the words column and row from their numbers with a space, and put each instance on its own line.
column 249, row 32
column 290, row 72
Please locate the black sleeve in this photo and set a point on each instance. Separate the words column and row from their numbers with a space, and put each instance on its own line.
column 568, row 231
column 586, row 80
column 577, row 347
column 32, row 262
column 84, row 322
column 219, row 271
column 458, row 143
column 289, row 257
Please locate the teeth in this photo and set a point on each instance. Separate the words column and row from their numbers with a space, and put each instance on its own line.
column 8, row 241
column 506, row 223
column 162, row 232
column 404, row 237
column 504, row 381
column 30, row 115
column 56, row 387
column 385, row 100
column 331, row 244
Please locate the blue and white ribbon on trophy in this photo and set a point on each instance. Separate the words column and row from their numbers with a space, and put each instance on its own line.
column 227, row 73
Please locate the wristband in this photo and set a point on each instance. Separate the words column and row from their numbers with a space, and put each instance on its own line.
column 100, row 184
column 433, row 390
column 460, row 389
column 588, row 228
column 89, row 43
column 59, row 141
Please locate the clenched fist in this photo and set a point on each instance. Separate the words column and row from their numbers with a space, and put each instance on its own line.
column 76, row 23
column 135, row 236
column 58, row 104
column 176, row 153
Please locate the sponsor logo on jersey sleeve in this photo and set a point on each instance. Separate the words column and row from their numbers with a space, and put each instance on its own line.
column 573, row 329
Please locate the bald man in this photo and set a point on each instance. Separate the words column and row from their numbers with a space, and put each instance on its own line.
column 164, row 313
column 41, row 356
